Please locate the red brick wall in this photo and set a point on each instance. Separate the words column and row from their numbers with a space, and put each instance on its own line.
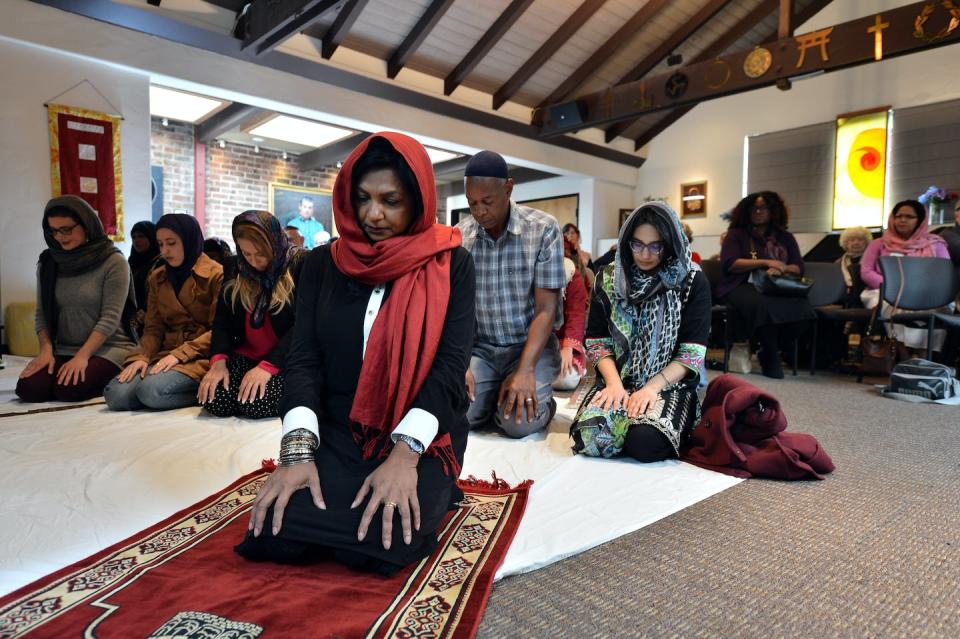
column 171, row 147
column 238, row 179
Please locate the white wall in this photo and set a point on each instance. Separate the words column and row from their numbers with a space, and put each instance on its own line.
column 30, row 76
column 708, row 142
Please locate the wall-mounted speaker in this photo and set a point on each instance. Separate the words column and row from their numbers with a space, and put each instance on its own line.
column 568, row 115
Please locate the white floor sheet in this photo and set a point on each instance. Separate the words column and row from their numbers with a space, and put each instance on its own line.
column 75, row 481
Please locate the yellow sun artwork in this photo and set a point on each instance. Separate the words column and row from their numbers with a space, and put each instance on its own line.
column 860, row 170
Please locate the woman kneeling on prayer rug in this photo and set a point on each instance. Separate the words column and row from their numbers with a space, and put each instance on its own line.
column 646, row 334
column 374, row 411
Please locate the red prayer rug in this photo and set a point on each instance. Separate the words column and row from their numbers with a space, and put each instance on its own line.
column 181, row 578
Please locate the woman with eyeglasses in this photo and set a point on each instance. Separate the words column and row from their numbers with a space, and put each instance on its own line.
column 758, row 240
column 173, row 357
column 85, row 307
column 647, row 331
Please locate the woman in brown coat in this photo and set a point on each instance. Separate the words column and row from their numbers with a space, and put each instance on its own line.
column 174, row 351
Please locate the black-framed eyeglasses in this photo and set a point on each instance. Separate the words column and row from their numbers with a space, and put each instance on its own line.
column 63, row 231
column 653, row 248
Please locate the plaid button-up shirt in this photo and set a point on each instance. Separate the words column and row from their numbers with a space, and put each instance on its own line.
column 528, row 255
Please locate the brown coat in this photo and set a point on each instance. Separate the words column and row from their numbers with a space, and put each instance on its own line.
column 181, row 325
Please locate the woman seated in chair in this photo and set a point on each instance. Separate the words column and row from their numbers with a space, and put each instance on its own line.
column 758, row 241
column 85, row 307
column 374, row 411
column 253, row 327
column 906, row 235
column 854, row 242
column 647, row 332
column 165, row 371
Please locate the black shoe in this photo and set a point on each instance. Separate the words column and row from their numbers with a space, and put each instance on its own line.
column 770, row 364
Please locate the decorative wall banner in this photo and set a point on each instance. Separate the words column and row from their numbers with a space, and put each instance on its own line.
column 860, row 169
column 85, row 161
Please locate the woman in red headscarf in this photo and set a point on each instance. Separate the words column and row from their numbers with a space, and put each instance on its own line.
column 374, row 411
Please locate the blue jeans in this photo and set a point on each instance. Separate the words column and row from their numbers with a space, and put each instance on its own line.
column 163, row 391
column 490, row 365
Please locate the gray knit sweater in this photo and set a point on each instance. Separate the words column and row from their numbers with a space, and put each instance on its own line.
column 92, row 301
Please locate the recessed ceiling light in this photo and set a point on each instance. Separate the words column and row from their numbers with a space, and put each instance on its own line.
column 177, row 105
column 297, row 131
column 257, row 139
column 437, row 156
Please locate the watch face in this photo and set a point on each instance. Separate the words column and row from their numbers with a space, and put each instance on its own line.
column 758, row 62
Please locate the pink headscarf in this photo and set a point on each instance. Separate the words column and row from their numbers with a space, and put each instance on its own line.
column 921, row 244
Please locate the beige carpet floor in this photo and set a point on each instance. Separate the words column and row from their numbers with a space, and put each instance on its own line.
column 872, row 551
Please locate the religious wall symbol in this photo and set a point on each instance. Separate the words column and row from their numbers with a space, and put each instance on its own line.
column 813, row 39
column 757, row 62
column 676, row 85
column 919, row 23
column 717, row 74
column 877, row 30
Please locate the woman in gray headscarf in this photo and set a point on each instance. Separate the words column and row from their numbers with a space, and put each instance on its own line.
column 85, row 307
column 647, row 332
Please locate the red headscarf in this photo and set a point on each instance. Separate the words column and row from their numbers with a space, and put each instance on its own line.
column 922, row 243
column 406, row 335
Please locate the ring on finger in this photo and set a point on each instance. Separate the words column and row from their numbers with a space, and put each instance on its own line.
column 528, row 400
column 389, row 503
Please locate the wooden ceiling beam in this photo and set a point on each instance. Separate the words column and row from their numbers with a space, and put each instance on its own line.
column 231, row 117
column 417, row 35
column 273, row 22
column 338, row 31
column 655, row 57
column 606, row 50
column 546, row 51
column 647, row 136
column 331, row 154
column 499, row 28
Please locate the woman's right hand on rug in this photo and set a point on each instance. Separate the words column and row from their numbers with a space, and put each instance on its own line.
column 281, row 485
column 611, row 397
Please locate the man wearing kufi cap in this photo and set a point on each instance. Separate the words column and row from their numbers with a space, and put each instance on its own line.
column 518, row 253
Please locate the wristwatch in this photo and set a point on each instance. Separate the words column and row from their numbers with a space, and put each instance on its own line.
column 414, row 444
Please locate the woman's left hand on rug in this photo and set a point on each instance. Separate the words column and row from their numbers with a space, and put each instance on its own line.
column 641, row 400
column 393, row 485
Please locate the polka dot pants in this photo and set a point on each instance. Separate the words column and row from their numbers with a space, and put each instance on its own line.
column 226, row 404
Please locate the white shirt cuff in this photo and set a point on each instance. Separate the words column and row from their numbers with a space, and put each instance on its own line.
column 417, row 423
column 301, row 417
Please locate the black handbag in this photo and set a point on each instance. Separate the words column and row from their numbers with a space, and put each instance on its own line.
column 786, row 285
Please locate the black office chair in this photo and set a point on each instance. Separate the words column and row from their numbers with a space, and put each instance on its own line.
column 917, row 287
column 711, row 269
column 828, row 290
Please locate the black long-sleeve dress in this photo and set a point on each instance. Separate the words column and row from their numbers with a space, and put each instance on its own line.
column 322, row 372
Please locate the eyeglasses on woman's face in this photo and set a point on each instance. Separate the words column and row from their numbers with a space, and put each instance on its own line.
column 653, row 248
column 63, row 231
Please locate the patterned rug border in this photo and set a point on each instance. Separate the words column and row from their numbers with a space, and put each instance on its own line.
column 426, row 591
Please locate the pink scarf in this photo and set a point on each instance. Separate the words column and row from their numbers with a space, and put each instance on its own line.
column 920, row 244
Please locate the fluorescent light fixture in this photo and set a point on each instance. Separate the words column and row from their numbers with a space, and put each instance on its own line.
column 688, row 198
column 297, row 131
column 437, row 156
column 180, row 106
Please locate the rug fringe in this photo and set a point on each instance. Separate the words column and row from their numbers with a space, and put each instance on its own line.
column 495, row 484
column 268, row 465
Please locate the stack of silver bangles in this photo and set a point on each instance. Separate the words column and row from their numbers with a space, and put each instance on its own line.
column 298, row 447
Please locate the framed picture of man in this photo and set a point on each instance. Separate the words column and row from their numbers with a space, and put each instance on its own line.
column 309, row 210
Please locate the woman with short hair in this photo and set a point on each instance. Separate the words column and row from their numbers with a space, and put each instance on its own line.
column 374, row 413
column 165, row 371
column 85, row 307
column 647, row 333
column 253, row 327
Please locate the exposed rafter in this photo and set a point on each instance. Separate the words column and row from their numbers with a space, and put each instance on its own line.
column 341, row 26
column 229, row 118
column 665, row 48
column 417, row 35
column 502, row 24
column 719, row 47
column 273, row 22
column 601, row 55
column 456, row 165
column 331, row 154
column 546, row 51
